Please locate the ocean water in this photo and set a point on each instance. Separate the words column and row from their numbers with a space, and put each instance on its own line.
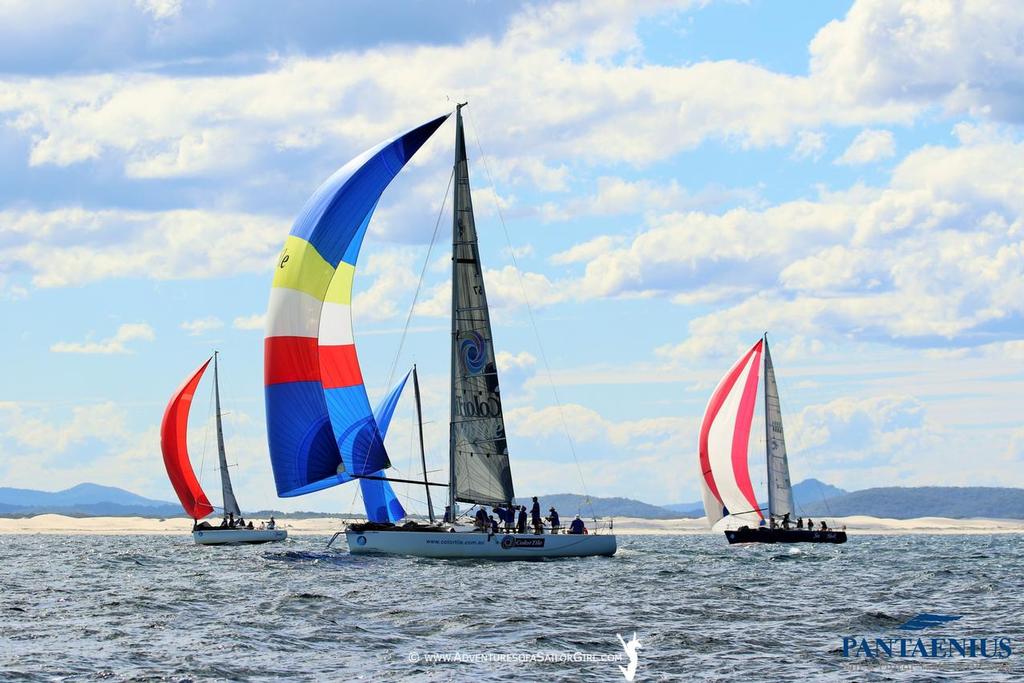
column 84, row 608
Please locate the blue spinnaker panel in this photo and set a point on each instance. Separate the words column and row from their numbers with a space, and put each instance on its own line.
column 318, row 415
column 382, row 505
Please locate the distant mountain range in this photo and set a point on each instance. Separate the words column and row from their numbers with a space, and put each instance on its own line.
column 572, row 504
column 88, row 500
column 812, row 497
column 808, row 493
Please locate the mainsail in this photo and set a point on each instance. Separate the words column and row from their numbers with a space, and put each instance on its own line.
column 230, row 504
column 724, row 440
column 320, row 428
column 478, row 452
column 780, row 491
column 174, row 446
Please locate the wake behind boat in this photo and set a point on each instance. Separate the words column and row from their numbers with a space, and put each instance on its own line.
column 725, row 474
column 320, row 428
column 174, row 446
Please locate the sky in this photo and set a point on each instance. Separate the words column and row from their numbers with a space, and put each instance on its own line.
column 662, row 182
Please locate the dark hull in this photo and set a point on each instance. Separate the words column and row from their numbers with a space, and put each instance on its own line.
column 765, row 535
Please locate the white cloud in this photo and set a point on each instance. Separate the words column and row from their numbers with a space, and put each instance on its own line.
column 74, row 246
column 869, row 146
column 513, row 361
column 118, row 343
column 809, row 145
column 964, row 56
column 256, row 321
column 201, row 326
column 160, row 9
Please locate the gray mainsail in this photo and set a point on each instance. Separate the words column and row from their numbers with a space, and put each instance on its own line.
column 478, row 453
column 230, row 504
column 780, row 491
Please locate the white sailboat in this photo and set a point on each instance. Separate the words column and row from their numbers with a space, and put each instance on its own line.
column 725, row 473
column 320, row 427
column 174, row 446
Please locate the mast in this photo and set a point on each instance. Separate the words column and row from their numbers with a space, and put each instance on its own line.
column 780, row 490
column 460, row 153
column 423, row 455
column 230, row 504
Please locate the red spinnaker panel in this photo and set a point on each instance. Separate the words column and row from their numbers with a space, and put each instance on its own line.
column 174, row 444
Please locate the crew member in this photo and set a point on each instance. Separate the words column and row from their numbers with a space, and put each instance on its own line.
column 577, row 526
column 553, row 520
column 521, row 526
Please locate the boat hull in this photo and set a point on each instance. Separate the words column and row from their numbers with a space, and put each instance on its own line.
column 442, row 544
column 238, row 536
column 765, row 535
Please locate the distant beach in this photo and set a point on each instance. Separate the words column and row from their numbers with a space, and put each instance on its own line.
column 323, row 526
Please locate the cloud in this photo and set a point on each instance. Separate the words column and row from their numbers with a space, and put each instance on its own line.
column 74, row 246
column 963, row 56
column 809, row 145
column 160, row 9
column 868, row 146
column 201, row 326
column 933, row 258
column 256, row 321
column 118, row 343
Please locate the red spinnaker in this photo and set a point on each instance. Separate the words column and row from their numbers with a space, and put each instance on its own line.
column 174, row 444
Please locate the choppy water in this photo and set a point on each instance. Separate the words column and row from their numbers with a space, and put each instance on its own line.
column 157, row 607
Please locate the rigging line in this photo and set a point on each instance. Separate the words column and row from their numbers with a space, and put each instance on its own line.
column 419, row 284
column 533, row 323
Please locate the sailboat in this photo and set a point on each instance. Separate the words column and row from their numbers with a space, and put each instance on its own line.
column 725, row 474
column 320, row 428
column 174, row 445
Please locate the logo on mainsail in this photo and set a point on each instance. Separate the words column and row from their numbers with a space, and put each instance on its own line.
column 472, row 352
column 629, row 671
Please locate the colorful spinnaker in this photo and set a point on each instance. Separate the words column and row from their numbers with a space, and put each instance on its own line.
column 724, row 439
column 174, row 445
column 320, row 428
column 723, row 442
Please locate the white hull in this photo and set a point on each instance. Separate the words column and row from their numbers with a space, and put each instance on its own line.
column 479, row 545
column 237, row 536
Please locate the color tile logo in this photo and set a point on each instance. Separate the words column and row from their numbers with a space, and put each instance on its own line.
column 924, row 648
column 629, row 671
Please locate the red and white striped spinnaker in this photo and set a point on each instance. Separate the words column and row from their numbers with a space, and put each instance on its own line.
column 724, row 439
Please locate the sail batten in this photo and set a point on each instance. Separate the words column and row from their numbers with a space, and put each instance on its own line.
column 480, row 471
column 320, row 428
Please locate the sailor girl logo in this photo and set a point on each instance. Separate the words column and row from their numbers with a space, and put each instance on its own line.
column 472, row 352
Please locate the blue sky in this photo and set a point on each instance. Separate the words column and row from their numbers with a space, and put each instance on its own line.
column 676, row 178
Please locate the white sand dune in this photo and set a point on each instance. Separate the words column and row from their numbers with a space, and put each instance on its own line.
column 60, row 524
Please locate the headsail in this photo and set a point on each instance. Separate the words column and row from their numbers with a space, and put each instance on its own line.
column 379, row 499
column 479, row 454
column 724, row 437
column 174, row 445
column 319, row 425
column 780, row 490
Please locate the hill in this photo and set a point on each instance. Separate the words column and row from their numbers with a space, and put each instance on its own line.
column 925, row 501
column 83, row 500
column 808, row 493
column 571, row 504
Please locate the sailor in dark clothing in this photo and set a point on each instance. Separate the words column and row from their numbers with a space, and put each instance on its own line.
column 480, row 519
column 553, row 520
column 824, row 527
column 577, row 526
column 494, row 525
column 535, row 513
column 785, row 521
column 521, row 526
column 799, row 522
column 810, row 524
